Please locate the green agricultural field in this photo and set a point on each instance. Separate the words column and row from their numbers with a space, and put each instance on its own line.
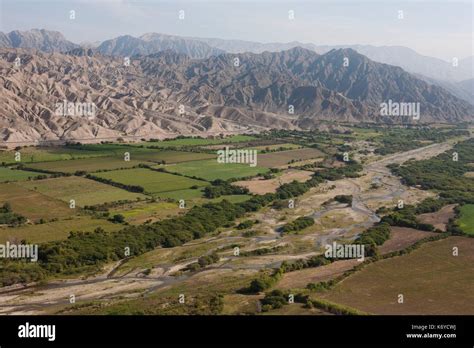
column 230, row 198
column 88, row 165
column 136, row 151
column 276, row 147
column 466, row 221
column 281, row 158
column 8, row 174
column 156, row 183
column 139, row 212
column 83, row 191
column 363, row 133
column 42, row 154
column 169, row 156
column 33, row 205
column 109, row 149
column 198, row 141
column 212, row 170
column 181, row 194
column 56, row 230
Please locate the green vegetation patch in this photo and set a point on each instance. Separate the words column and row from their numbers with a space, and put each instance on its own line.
column 43, row 154
column 8, row 174
column 276, row 147
column 183, row 141
column 299, row 224
column 82, row 190
column 32, row 204
column 466, row 220
column 442, row 173
column 155, row 182
column 281, row 158
column 170, row 156
column 400, row 140
column 213, row 170
column 139, row 212
column 87, row 165
column 8, row 217
column 56, row 230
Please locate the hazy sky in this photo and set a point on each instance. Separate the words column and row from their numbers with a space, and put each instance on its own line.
column 440, row 28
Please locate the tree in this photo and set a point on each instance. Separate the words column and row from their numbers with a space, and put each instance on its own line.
column 7, row 207
column 118, row 218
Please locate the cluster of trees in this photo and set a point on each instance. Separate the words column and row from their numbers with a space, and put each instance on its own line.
column 333, row 308
column 264, row 282
column 314, row 261
column 444, row 172
column 14, row 272
column 345, row 199
column 406, row 217
column 117, row 219
column 257, row 202
column 350, row 170
column 276, row 149
column 429, row 205
column 83, row 251
column 246, row 224
column 250, row 233
column 277, row 299
column 321, row 286
column 107, row 205
column 8, row 217
column 294, row 189
column 373, row 237
column 262, row 251
column 298, row 224
column 409, row 139
column 280, row 204
column 43, row 171
column 220, row 188
column 203, row 261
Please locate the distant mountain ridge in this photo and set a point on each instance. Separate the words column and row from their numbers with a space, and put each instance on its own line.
column 40, row 39
column 152, row 43
column 404, row 57
column 50, row 41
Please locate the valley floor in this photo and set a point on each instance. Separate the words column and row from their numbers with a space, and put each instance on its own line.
column 163, row 270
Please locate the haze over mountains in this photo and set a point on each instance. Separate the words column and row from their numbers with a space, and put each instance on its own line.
column 127, row 45
column 219, row 91
column 40, row 39
column 153, row 43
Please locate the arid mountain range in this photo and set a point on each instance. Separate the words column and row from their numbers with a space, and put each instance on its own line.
column 187, row 86
column 52, row 41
